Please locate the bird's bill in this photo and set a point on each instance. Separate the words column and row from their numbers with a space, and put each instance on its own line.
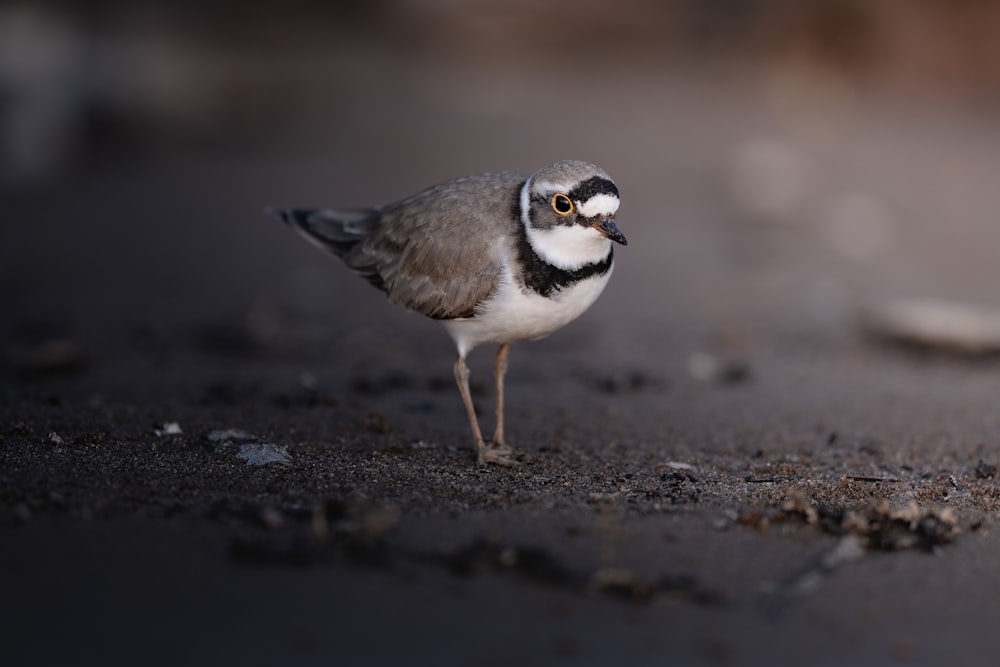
column 609, row 230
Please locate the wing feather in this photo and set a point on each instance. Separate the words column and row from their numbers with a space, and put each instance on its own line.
column 437, row 252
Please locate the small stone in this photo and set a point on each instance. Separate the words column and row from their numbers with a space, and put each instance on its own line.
column 260, row 454
column 945, row 326
column 168, row 428
column 228, row 435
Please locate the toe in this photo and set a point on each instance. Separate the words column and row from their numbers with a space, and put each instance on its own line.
column 497, row 455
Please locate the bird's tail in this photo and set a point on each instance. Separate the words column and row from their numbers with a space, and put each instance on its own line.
column 336, row 232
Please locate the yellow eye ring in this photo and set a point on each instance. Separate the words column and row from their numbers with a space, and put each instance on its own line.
column 562, row 204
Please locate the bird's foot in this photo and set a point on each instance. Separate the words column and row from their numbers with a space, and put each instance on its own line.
column 496, row 453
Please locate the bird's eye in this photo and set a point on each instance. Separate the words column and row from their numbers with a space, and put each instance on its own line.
column 562, row 204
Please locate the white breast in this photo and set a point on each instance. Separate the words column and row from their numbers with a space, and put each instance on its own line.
column 515, row 313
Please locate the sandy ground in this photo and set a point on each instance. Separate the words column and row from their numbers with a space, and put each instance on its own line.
column 717, row 465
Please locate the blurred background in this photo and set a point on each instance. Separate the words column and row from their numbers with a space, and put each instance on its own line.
column 110, row 78
column 784, row 164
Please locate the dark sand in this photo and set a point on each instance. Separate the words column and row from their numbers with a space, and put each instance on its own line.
column 824, row 498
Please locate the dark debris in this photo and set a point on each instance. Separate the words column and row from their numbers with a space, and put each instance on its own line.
column 359, row 534
column 631, row 382
column 986, row 470
column 537, row 565
column 881, row 526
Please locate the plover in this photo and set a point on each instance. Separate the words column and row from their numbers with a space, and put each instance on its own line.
column 495, row 257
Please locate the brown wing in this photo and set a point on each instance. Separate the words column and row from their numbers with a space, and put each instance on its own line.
column 436, row 252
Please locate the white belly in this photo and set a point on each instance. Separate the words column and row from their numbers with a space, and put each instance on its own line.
column 520, row 314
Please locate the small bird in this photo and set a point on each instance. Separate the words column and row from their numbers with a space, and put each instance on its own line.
column 495, row 257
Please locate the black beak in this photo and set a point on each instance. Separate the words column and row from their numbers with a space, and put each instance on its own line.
column 609, row 229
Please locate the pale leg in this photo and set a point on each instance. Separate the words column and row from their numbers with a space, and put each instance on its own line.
column 499, row 455
column 499, row 370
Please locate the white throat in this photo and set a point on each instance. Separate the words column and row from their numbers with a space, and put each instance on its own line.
column 569, row 248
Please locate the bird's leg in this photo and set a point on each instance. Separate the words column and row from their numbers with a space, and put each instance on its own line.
column 486, row 454
column 462, row 378
column 499, row 370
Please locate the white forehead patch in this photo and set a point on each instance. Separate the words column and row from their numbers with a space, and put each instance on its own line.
column 545, row 188
column 599, row 204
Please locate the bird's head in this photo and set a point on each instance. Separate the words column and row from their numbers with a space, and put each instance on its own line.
column 568, row 211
